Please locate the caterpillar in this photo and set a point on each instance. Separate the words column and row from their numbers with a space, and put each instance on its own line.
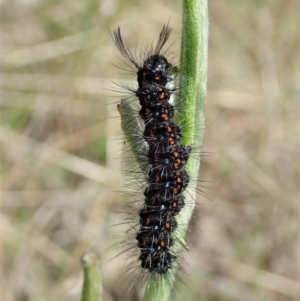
column 166, row 177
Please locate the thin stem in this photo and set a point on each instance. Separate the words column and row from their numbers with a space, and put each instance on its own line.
column 190, row 114
column 92, row 285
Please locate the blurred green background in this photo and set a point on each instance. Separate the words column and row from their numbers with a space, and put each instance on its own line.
column 60, row 149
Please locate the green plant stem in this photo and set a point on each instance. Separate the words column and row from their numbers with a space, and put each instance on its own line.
column 193, row 80
column 190, row 113
column 92, row 285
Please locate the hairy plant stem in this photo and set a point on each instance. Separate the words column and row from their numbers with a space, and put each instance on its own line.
column 190, row 114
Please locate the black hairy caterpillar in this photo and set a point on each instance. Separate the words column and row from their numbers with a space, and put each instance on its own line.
column 166, row 177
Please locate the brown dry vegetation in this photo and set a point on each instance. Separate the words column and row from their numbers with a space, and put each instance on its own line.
column 60, row 166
